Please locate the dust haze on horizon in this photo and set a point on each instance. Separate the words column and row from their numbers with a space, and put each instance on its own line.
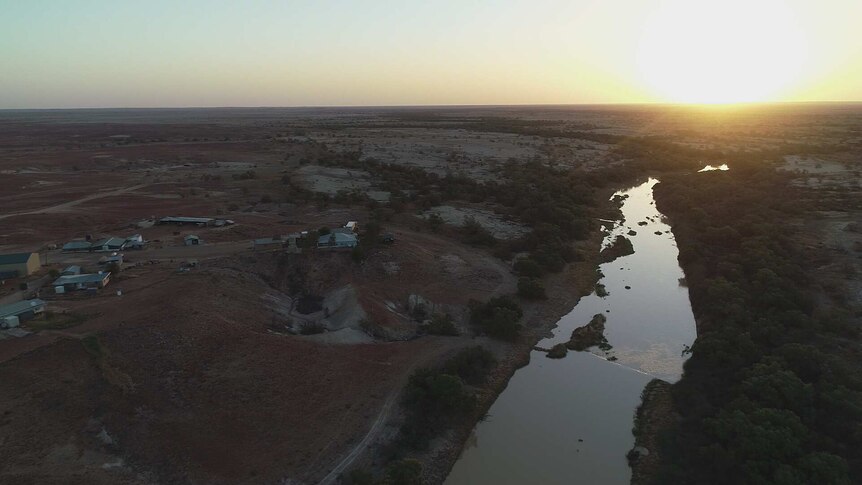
column 96, row 53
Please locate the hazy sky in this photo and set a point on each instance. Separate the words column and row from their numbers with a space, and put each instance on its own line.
column 99, row 53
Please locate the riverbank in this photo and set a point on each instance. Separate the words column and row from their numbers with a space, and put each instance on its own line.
column 564, row 291
column 653, row 415
column 773, row 312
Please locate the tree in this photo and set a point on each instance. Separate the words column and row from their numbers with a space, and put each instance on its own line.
column 531, row 289
column 528, row 267
column 404, row 472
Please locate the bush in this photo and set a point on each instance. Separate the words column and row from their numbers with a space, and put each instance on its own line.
column 558, row 351
column 528, row 267
column 357, row 254
column 441, row 325
column 531, row 289
column 498, row 317
column 54, row 273
column 434, row 220
column 361, row 477
column 323, row 231
column 433, row 400
column 471, row 364
column 404, row 472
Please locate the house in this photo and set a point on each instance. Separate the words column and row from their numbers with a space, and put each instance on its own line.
column 274, row 242
column 192, row 240
column 337, row 240
column 109, row 244
column 76, row 246
column 114, row 258
column 71, row 270
column 181, row 221
column 135, row 241
column 24, row 310
column 81, row 282
column 16, row 265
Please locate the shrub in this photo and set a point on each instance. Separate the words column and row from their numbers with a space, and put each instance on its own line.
column 558, row 351
column 498, row 317
column 435, row 220
column 323, row 231
column 471, row 364
column 441, row 325
column 404, row 472
column 432, row 400
column 531, row 288
column 361, row 477
column 528, row 267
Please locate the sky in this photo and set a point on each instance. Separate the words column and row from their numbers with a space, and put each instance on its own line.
column 155, row 53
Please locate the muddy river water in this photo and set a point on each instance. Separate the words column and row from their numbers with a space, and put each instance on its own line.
column 569, row 420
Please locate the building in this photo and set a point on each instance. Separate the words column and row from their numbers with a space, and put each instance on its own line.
column 109, row 244
column 114, row 258
column 181, row 221
column 18, row 265
column 23, row 310
column 64, row 284
column 76, row 246
column 192, row 240
column 336, row 240
column 274, row 242
column 352, row 225
column 71, row 270
column 135, row 241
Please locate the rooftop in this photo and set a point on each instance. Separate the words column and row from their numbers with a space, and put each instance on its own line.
column 19, row 307
column 77, row 245
column 191, row 220
column 110, row 241
column 336, row 237
column 73, row 269
column 270, row 240
column 14, row 258
column 79, row 278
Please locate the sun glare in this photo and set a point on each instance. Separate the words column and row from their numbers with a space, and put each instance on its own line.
column 733, row 51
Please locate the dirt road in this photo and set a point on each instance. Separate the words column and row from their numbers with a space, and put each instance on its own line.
column 67, row 205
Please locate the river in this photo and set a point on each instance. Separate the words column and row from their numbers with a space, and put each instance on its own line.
column 569, row 420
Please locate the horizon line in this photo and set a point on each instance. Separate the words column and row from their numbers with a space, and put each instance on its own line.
column 415, row 106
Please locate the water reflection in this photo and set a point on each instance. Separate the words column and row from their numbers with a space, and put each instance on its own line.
column 709, row 168
column 569, row 420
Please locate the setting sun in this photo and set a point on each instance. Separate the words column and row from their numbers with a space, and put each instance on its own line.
column 721, row 52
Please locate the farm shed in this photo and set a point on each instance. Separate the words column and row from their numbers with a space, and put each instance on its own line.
column 20, row 264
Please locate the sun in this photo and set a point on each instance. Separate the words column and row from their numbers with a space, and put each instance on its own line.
column 712, row 52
